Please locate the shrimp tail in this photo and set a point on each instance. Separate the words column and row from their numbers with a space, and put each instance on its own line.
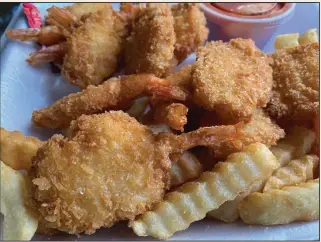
column 206, row 136
column 47, row 55
column 31, row 34
column 60, row 17
column 48, row 35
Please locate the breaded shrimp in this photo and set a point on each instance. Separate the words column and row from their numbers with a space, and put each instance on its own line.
column 69, row 16
column 182, row 77
column 94, row 49
column 260, row 129
column 295, row 94
column 232, row 79
column 150, row 46
column 81, row 10
column 17, row 150
column 190, row 28
column 109, row 168
column 115, row 93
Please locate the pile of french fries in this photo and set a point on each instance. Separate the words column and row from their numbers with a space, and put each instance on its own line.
column 259, row 185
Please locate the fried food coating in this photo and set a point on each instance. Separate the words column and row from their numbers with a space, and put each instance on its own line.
column 81, row 10
column 150, row 46
column 190, row 28
column 232, row 79
column 172, row 114
column 182, row 77
column 260, row 129
column 295, row 93
column 115, row 178
column 109, row 168
column 115, row 93
column 17, row 150
column 94, row 49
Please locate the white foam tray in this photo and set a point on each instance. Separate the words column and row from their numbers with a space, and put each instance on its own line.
column 24, row 89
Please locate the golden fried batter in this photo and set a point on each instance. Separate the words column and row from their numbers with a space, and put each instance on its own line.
column 182, row 77
column 172, row 114
column 94, row 49
column 110, row 168
column 295, row 94
column 260, row 129
column 81, row 10
column 232, row 78
column 115, row 93
column 190, row 28
column 17, row 150
column 150, row 46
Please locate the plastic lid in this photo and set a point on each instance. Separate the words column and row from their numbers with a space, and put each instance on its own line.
column 247, row 9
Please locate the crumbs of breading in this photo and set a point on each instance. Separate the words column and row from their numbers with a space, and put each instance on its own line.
column 150, row 46
column 80, row 10
column 94, row 48
column 182, row 77
column 106, row 170
column 190, row 28
column 232, row 79
column 260, row 129
column 295, row 93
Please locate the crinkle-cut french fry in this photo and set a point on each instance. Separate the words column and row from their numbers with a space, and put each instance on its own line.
column 228, row 211
column 17, row 150
column 309, row 37
column 19, row 223
column 282, row 206
column 185, row 169
column 297, row 142
column 286, row 41
column 297, row 171
column 193, row 200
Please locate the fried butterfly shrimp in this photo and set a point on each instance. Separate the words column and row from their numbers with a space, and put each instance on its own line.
column 69, row 16
column 48, row 35
column 120, row 169
column 150, row 46
column 81, row 10
column 115, row 93
column 17, row 150
column 190, row 28
column 54, row 53
column 232, row 79
column 193, row 200
column 260, row 129
column 282, row 206
column 94, row 49
column 295, row 94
